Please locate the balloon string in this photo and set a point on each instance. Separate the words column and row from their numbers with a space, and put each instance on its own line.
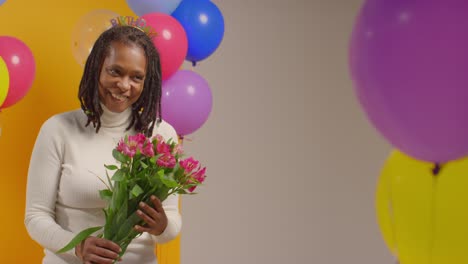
column 433, row 216
column 183, row 139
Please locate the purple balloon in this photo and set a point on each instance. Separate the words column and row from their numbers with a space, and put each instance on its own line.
column 186, row 101
column 409, row 64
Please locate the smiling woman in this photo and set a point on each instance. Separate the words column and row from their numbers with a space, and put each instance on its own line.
column 120, row 94
column 122, row 76
column 127, row 62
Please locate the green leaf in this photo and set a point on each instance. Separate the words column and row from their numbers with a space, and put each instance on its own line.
column 79, row 238
column 154, row 181
column 121, row 214
column 162, row 195
column 113, row 205
column 118, row 210
column 127, row 226
column 119, row 156
column 182, row 191
column 136, row 191
column 118, row 176
column 155, row 158
column 176, row 167
column 179, row 172
column 169, row 181
column 141, row 174
column 122, row 196
column 109, row 181
column 160, row 173
column 106, row 195
column 107, row 226
column 143, row 165
column 111, row 167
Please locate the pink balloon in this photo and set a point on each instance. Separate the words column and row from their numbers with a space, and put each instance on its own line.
column 21, row 67
column 186, row 101
column 171, row 41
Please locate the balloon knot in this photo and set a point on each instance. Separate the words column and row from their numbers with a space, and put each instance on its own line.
column 436, row 169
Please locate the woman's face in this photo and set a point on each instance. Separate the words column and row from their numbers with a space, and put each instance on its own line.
column 122, row 76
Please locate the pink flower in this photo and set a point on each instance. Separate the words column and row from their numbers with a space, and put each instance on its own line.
column 159, row 138
column 138, row 140
column 133, row 144
column 189, row 164
column 199, row 176
column 178, row 150
column 166, row 160
column 147, row 149
column 163, row 148
column 125, row 149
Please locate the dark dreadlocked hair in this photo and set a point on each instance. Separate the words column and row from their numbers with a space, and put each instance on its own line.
column 150, row 99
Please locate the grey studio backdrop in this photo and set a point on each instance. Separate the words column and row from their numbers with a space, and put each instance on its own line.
column 292, row 160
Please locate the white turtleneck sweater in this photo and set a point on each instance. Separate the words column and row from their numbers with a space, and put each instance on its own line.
column 63, row 185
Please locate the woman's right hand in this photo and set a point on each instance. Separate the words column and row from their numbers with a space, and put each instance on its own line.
column 94, row 250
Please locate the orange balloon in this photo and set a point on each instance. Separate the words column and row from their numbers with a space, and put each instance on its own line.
column 87, row 30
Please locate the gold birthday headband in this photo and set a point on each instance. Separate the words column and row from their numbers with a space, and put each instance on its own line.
column 138, row 23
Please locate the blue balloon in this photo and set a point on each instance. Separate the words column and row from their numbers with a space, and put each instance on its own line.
column 143, row 7
column 204, row 24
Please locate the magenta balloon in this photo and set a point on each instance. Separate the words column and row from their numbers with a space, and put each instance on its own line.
column 21, row 67
column 186, row 101
column 170, row 41
column 409, row 63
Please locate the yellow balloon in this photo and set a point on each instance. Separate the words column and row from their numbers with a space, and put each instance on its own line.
column 423, row 216
column 87, row 30
column 4, row 81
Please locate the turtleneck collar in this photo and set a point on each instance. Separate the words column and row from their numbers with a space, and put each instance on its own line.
column 112, row 119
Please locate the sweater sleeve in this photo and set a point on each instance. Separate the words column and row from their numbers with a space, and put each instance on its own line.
column 171, row 204
column 42, row 185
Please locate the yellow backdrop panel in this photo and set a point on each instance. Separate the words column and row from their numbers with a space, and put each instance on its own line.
column 424, row 218
column 46, row 27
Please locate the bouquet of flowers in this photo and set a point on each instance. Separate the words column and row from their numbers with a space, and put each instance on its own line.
column 148, row 166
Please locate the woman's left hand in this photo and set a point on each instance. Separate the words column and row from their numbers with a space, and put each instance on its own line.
column 154, row 217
